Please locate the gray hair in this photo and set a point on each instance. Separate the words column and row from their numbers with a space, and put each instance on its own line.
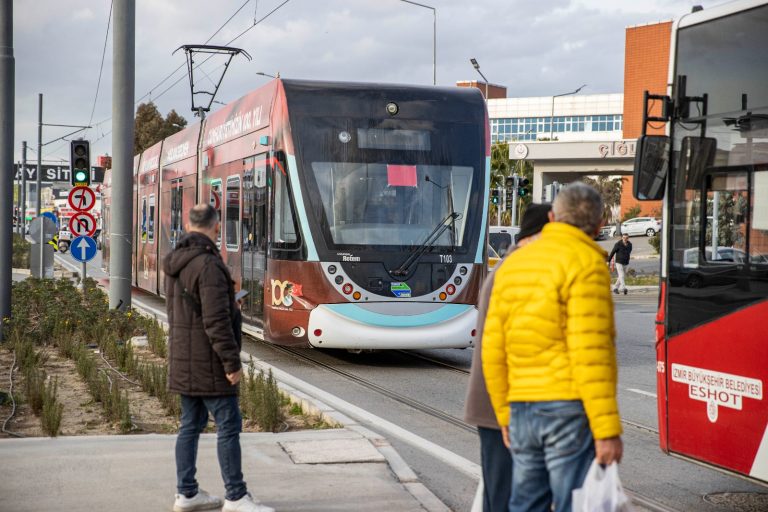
column 203, row 216
column 579, row 205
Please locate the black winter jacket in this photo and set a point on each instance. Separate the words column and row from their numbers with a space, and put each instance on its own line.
column 202, row 345
column 622, row 252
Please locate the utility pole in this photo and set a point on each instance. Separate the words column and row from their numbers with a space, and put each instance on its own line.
column 22, row 224
column 7, row 96
column 123, row 73
column 41, row 242
column 515, row 186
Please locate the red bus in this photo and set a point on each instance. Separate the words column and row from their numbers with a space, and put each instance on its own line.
column 712, row 172
column 355, row 214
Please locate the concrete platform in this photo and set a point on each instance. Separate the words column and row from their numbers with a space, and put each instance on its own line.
column 288, row 471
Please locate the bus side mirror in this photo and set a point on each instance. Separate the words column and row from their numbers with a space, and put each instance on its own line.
column 651, row 166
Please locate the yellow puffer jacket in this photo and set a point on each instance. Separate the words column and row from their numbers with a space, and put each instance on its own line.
column 549, row 333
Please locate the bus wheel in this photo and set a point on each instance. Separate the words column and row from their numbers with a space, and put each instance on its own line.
column 694, row 281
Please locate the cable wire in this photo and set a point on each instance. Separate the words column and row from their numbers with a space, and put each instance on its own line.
column 13, row 401
column 101, row 66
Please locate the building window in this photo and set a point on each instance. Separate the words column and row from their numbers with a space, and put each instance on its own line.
column 534, row 128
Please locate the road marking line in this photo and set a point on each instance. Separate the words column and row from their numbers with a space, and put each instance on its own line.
column 641, row 392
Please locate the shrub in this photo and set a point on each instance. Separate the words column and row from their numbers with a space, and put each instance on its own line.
column 52, row 409
column 261, row 400
column 655, row 242
column 20, row 256
column 631, row 213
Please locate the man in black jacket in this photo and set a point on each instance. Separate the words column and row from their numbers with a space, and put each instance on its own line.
column 622, row 249
column 204, row 362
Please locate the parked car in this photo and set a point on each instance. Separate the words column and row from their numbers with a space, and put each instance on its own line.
column 606, row 232
column 647, row 226
column 493, row 258
column 726, row 268
column 502, row 237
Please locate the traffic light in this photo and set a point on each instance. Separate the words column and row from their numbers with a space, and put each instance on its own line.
column 495, row 196
column 522, row 186
column 511, row 183
column 80, row 162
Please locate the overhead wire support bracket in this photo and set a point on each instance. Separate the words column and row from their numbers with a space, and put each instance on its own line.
column 203, row 104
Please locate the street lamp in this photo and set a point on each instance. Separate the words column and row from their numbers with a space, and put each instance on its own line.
column 267, row 74
column 552, row 114
column 477, row 68
column 434, row 37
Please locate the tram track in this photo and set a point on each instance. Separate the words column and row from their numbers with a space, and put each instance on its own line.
column 393, row 395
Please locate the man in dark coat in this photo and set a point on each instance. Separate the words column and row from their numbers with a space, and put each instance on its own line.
column 621, row 250
column 204, row 362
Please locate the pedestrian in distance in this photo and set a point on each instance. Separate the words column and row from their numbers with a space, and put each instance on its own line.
column 495, row 459
column 204, row 363
column 619, row 259
column 549, row 356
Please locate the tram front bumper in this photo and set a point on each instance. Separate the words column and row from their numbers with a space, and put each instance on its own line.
column 385, row 325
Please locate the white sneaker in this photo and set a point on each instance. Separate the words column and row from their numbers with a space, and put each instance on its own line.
column 245, row 504
column 200, row 501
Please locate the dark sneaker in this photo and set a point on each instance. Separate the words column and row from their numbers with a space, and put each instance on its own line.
column 616, row 291
column 200, row 501
column 625, row 291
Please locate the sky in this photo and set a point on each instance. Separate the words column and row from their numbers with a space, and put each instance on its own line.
column 533, row 47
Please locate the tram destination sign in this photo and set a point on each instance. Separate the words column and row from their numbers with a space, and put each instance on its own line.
column 54, row 173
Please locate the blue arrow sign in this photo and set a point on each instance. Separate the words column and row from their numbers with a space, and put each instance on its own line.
column 83, row 248
column 51, row 216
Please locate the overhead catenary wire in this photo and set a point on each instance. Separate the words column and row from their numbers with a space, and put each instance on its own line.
column 101, row 66
column 149, row 93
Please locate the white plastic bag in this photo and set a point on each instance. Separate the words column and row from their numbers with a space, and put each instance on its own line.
column 602, row 491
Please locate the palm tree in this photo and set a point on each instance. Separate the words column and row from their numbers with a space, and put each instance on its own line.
column 499, row 164
column 610, row 190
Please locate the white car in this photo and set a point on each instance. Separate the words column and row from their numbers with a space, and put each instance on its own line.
column 647, row 226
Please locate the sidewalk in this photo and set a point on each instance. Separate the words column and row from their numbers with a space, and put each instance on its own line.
column 349, row 468
column 324, row 470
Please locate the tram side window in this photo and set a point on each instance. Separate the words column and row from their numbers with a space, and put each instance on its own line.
column 176, row 209
column 151, row 220
column 216, row 203
column 144, row 219
column 283, row 220
column 232, row 231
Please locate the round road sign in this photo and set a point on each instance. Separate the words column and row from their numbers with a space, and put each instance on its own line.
column 82, row 224
column 82, row 199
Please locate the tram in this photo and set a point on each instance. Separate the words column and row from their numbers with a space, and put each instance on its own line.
column 711, row 169
column 355, row 215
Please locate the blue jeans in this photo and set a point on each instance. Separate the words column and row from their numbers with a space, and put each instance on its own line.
column 552, row 449
column 497, row 470
column 194, row 418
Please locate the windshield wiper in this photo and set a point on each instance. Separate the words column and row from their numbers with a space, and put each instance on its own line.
column 428, row 243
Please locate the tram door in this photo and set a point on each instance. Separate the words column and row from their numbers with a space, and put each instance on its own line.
column 254, row 236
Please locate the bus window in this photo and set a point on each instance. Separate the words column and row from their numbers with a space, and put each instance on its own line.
column 758, row 233
column 232, row 231
column 726, row 218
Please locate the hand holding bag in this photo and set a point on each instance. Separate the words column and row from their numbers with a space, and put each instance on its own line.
column 602, row 491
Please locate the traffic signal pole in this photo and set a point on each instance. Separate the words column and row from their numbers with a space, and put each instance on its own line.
column 514, row 200
column 123, row 73
column 7, row 95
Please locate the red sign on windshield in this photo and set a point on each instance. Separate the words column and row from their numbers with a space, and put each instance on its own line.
column 401, row 175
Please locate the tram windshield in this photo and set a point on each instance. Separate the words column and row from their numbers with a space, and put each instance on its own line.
column 389, row 183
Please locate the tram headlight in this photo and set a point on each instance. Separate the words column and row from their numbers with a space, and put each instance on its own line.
column 392, row 108
column 331, row 269
column 463, row 270
column 457, row 281
column 339, row 279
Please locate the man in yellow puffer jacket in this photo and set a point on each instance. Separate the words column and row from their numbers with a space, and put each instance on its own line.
column 549, row 357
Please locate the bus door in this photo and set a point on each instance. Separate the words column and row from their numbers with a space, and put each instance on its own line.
column 254, row 236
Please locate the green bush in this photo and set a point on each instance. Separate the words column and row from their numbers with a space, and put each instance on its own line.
column 655, row 242
column 20, row 257
column 261, row 400
column 632, row 213
column 52, row 409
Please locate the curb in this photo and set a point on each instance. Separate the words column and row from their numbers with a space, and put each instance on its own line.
column 400, row 469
